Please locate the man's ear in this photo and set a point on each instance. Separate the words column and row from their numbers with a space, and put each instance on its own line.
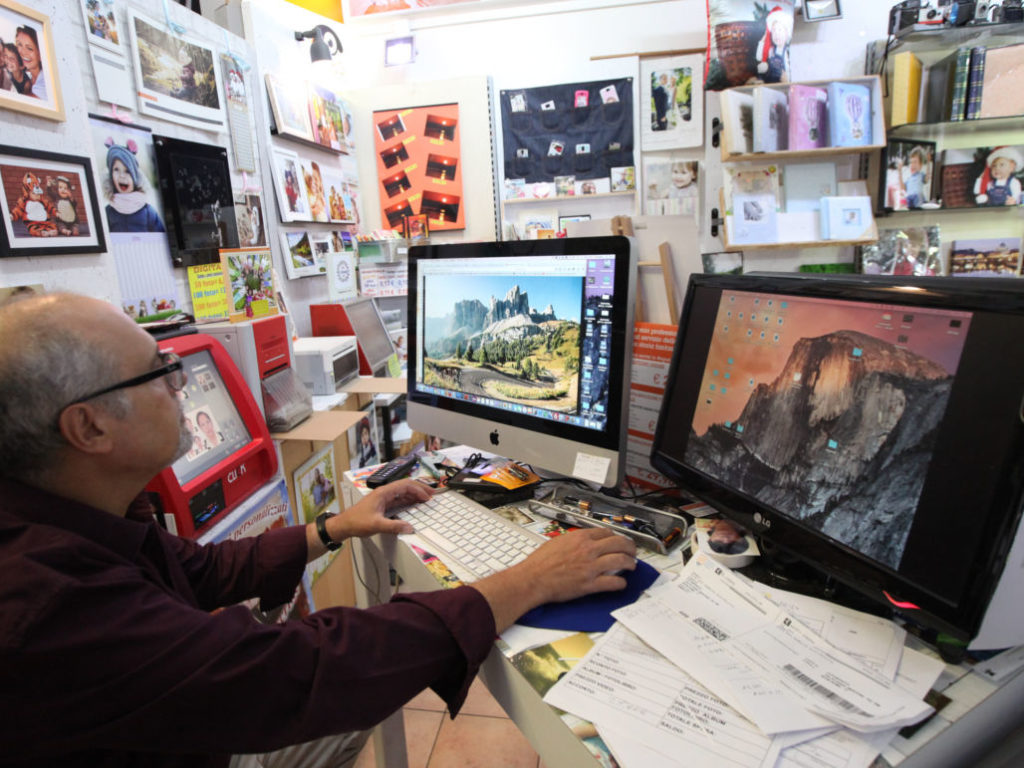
column 86, row 428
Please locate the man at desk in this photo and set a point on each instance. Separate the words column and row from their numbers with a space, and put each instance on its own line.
column 108, row 650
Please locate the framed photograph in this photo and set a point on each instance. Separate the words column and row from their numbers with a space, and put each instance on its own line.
column 178, row 79
column 822, row 10
column 417, row 228
column 128, row 185
column 290, row 106
column 249, row 279
column 301, row 257
column 48, row 204
column 332, row 122
column 364, row 441
column 672, row 92
column 338, row 203
column 252, row 230
column 907, row 176
column 316, row 490
column 32, row 84
column 313, row 182
column 289, row 186
column 101, row 27
column 199, row 205
column 671, row 186
column 563, row 220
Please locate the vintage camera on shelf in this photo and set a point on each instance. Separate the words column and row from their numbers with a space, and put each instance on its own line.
column 913, row 15
column 995, row 11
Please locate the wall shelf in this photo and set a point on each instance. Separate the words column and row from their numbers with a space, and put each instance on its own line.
column 307, row 143
column 951, row 128
column 562, row 198
column 783, row 156
column 737, row 145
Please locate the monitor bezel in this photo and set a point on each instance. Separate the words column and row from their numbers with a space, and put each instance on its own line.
column 612, row 438
column 960, row 617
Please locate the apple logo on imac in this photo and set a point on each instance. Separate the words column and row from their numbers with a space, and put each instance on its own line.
column 494, row 437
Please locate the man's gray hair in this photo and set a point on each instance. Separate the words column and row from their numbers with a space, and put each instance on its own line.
column 44, row 366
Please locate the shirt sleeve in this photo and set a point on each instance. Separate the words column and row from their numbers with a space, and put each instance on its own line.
column 268, row 566
column 128, row 666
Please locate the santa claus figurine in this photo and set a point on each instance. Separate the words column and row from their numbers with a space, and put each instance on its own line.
column 773, row 50
column 998, row 185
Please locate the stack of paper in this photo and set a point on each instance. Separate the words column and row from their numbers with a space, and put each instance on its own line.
column 712, row 669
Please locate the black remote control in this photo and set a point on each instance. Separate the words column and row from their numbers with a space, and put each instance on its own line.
column 393, row 470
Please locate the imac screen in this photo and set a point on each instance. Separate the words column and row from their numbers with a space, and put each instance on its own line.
column 535, row 337
column 217, row 428
column 839, row 418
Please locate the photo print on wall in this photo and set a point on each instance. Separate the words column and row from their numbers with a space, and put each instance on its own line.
column 750, row 42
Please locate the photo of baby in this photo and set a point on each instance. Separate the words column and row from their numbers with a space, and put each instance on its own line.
column 129, row 185
column 670, row 186
column 909, row 167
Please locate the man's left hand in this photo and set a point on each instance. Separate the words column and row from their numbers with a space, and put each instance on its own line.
column 370, row 515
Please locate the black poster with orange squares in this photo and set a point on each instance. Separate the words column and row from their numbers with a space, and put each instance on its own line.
column 419, row 166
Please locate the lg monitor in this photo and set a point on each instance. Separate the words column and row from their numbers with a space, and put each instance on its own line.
column 871, row 427
column 232, row 454
column 523, row 348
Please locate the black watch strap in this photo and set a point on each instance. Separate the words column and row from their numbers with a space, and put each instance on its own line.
column 321, row 530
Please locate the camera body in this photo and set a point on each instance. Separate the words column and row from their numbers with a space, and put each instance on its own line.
column 988, row 11
column 1013, row 10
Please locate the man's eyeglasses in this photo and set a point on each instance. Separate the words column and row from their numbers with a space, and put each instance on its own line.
column 171, row 368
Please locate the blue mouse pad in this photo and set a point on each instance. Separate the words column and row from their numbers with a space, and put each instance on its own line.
column 591, row 613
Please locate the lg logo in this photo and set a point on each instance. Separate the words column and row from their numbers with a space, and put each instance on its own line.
column 234, row 474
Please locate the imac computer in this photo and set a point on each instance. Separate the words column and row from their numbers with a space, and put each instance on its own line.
column 232, row 454
column 523, row 348
column 360, row 318
column 869, row 427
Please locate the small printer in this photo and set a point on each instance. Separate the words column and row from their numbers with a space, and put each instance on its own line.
column 325, row 363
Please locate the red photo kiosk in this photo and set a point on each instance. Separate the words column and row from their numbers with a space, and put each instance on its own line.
column 232, row 454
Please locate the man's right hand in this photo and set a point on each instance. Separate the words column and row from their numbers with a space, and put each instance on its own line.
column 571, row 565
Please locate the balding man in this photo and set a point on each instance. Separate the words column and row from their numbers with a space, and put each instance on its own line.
column 108, row 650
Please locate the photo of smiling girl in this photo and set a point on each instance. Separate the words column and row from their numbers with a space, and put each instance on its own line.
column 129, row 185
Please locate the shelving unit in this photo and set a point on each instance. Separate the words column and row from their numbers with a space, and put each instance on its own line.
column 796, row 224
column 799, row 229
column 560, row 198
column 736, row 148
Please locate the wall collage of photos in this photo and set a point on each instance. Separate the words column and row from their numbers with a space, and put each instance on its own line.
column 169, row 198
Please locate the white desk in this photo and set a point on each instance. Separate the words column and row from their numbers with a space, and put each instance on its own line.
column 981, row 720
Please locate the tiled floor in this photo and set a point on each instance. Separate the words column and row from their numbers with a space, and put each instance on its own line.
column 481, row 736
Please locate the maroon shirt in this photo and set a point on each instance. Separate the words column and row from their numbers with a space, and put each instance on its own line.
column 109, row 655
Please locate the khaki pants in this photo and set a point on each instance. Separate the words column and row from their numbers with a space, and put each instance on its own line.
column 338, row 751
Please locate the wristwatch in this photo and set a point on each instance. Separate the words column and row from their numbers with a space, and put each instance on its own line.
column 321, row 530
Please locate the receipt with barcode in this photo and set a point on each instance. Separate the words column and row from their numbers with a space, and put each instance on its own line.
column 760, row 660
